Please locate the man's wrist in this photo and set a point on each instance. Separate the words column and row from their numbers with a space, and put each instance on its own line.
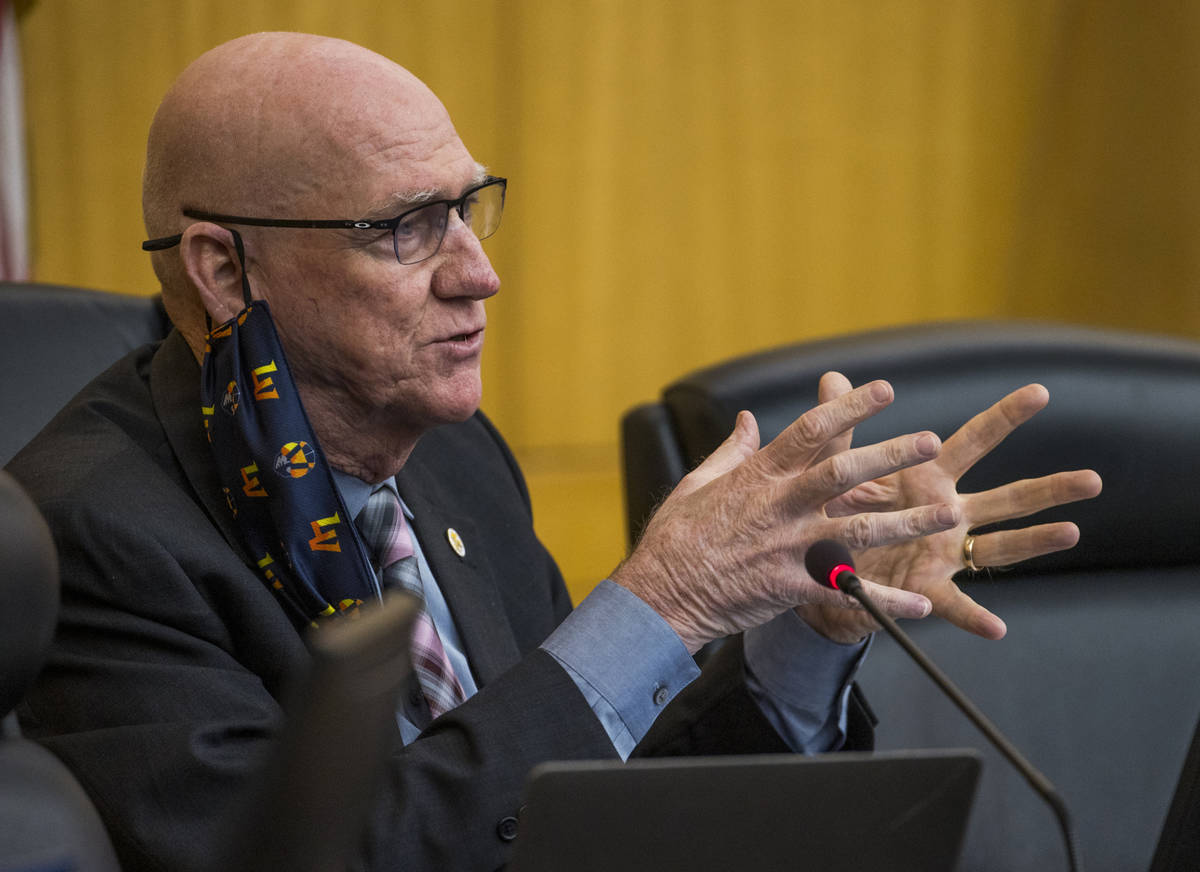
column 650, row 586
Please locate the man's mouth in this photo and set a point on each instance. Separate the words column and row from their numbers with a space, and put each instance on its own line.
column 469, row 338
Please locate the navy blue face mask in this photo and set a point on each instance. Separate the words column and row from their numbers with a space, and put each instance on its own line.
column 276, row 480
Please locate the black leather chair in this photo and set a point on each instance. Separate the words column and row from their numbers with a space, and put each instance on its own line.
column 1095, row 680
column 54, row 340
column 46, row 820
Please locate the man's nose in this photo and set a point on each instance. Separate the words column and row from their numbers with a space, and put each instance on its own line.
column 465, row 270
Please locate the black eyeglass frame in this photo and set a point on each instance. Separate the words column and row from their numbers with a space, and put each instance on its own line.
column 164, row 242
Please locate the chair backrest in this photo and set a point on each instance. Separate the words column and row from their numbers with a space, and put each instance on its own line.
column 46, row 820
column 1083, row 672
column 54, row 340
column 1126, row 405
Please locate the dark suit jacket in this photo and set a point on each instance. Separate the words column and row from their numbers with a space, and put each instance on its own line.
column 162, row 691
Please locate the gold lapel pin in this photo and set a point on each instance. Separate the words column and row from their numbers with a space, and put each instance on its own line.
column 456, row 542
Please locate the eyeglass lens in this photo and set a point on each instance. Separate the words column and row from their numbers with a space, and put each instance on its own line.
column 418, row 235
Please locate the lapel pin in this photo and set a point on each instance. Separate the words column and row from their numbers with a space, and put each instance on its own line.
column 456, row 542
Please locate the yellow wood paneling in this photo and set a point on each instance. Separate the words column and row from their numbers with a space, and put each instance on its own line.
column 690, row 181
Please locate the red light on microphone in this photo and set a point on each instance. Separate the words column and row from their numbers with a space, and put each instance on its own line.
column 835, row 572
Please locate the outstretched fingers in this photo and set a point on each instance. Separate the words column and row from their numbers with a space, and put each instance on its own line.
column 832, row 386
column 990, row 427
column 835, row 475
column 947, row 602
column 872, row 529
column 1021, row 498
column 895, row 602
column 1006, row 547
column 807, row 438
column 951, row 604
column 741, row 443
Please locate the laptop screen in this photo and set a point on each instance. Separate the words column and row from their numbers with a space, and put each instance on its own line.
column 836, row 812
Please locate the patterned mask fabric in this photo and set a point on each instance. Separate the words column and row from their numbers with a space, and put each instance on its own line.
column 276, row 481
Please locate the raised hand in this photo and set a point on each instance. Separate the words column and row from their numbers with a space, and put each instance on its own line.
column 725, row 552
column 926, row 565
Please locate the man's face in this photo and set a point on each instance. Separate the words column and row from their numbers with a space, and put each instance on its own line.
column 394, row 346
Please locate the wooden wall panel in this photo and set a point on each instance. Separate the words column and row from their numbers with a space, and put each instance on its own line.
column 694, row 181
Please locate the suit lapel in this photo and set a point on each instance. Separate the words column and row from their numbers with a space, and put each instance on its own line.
column 467, row 582
column 175, row 389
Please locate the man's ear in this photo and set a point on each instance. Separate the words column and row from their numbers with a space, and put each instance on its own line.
column 211, row 262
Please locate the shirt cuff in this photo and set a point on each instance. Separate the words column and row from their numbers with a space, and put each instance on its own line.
column 801, row 681
column 626, row 661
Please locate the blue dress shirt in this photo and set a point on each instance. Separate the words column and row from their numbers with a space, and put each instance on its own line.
column 628, row 663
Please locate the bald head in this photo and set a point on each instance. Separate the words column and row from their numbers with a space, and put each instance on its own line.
column 281, row 125
column 272, row 121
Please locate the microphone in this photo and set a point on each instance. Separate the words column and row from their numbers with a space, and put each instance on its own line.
column 830, row 564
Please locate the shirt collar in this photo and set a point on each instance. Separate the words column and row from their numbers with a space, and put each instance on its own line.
column 355, row 492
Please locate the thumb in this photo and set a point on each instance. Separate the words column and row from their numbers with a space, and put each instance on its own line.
column 730, row 454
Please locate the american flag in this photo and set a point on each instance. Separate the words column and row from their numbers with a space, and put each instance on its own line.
column 14, row 203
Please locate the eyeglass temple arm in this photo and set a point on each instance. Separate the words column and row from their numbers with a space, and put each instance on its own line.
column 162, row 243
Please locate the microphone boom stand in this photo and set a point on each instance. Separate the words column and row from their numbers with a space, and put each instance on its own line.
column 849, row 583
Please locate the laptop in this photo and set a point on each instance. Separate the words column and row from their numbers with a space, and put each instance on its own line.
column 852, row 812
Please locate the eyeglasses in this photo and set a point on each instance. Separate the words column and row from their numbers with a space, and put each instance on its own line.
column 417, row 233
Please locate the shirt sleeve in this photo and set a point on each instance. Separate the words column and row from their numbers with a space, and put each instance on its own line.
column 626, row 661
column 801, row 681
column 629, row 664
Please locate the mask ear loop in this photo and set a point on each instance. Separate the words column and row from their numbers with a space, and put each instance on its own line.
column 241, row 253
column 240, row 248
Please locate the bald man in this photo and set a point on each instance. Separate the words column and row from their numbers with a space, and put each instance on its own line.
column 316, row 225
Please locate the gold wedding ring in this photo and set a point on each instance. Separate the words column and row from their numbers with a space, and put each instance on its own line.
column 969, row 553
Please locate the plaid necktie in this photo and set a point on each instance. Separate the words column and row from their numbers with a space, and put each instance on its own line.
column 385, row 531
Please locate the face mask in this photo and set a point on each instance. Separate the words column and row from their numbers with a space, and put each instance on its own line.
column 277, row 484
